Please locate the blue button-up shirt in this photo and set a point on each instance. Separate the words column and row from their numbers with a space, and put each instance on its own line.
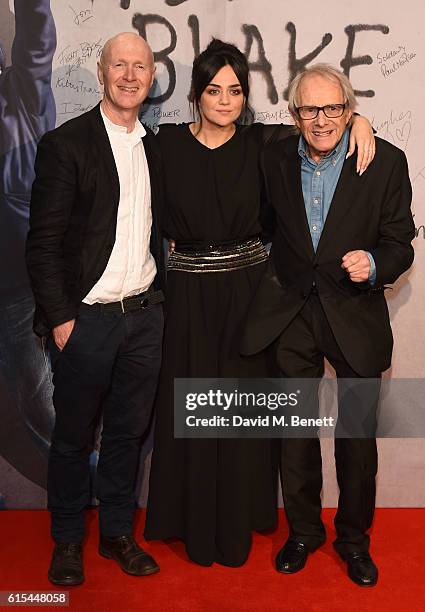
column 319, row 182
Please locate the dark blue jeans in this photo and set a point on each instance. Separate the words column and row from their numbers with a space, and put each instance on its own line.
column 108, row 367
column 26, row 409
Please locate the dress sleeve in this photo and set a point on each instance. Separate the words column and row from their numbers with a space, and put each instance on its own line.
column 166, row 137
column 276, row 132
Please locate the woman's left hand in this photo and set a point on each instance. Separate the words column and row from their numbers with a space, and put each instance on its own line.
column 362, row 137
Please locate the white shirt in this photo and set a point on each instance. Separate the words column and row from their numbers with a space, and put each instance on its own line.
column 131, row 267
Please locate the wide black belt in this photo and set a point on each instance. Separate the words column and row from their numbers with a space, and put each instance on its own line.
column 128, row 304
column 217, row 257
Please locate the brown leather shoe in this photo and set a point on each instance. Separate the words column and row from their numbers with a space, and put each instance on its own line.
column 130, row 557
column 66, row 567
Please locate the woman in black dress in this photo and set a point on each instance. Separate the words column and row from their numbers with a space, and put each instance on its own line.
column 212, row 493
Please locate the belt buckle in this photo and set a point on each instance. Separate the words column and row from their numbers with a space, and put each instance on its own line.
column 144, row 303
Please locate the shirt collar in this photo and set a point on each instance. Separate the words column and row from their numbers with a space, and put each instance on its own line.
column 138, row 132
column 333, row 156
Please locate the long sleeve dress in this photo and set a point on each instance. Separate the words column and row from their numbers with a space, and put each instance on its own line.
column 211, row 493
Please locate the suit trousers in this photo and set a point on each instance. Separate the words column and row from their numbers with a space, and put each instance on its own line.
column 299, row 353
column 108, row 367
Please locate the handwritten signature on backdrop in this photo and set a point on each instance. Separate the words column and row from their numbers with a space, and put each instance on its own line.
column 395, row 128
column 393, row 60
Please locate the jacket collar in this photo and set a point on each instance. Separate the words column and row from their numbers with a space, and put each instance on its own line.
column 104, row 151
column 345, row 195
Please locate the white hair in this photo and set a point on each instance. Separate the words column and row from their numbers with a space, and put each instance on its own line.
column 327, row 72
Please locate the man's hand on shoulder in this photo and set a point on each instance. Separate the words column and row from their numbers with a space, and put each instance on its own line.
column 62, row 332
column 357, row 266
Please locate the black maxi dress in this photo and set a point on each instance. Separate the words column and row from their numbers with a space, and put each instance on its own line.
column 211, row 493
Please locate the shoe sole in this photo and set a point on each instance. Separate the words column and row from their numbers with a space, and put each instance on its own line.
column 107, row 555
column 283, row 571
column 361, row 584
column 65, row 582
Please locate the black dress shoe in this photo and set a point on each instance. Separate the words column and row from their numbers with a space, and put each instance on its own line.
column 66, row 567
column 292, row 557
column 130, row 557
column 361, row 568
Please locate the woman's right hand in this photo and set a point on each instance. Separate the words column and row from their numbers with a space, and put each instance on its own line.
column 171, row 246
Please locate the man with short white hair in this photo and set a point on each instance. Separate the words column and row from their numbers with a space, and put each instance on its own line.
column 339, row 239
column 95, row 260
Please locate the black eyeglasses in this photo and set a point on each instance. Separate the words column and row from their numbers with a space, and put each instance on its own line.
column 332, row 111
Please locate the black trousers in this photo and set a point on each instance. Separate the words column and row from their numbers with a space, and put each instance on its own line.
column 299, row 353
column 109, row 366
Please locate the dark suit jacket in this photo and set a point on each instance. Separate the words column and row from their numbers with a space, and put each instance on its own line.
column 371, row 212
column 73, row 216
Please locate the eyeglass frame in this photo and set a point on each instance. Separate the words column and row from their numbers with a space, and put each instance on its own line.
column 322, row 108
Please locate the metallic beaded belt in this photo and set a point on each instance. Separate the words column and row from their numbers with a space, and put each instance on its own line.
column 217, row 257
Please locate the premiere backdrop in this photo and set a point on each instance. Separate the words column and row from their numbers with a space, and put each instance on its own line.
column 46, row 80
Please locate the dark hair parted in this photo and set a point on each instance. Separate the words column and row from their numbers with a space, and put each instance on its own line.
column 217, row 55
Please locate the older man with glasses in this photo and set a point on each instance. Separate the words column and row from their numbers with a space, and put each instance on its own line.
column 340, row 237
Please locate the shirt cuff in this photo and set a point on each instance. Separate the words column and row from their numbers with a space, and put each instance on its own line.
column 372, row 273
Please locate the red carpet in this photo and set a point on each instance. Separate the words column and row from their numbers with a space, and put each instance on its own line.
column 398, row 539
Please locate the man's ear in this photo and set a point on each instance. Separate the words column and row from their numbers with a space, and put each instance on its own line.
column 100, row 73
column 349, row 116
column 153, row 76
column 295, row 118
